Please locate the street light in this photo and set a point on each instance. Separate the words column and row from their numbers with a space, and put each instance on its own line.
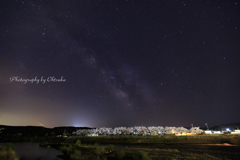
column 227, row 129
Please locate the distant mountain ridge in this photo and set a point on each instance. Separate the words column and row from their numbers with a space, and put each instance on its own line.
column 30, row 131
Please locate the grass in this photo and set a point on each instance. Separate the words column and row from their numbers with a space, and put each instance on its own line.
column 97, row 152
column 193, row 154
column 75, row 151
column 165, row 139
column 124, row 153
column 129, row 155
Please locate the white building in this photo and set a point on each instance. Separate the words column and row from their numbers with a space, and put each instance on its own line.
column 208, row 132
column 217, row 132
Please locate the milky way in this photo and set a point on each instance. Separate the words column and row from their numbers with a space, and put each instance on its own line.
column 112, row 64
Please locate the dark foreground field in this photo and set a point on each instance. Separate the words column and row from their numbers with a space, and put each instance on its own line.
column 146, row 148
column 167, row 147
column 154, row 152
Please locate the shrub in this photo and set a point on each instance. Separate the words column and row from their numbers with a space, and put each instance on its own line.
column 92, row 157
column 99, row 150
column 78, row 143
column 104, row 158
column 76, row 155
column 9, row 146
column 130, row 156
column 7, row 153
column 110, row 148
column 66, row 149
column 120, row 154
column 143, row 155
column 3, row 153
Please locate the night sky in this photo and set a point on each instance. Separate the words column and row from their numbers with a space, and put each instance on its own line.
column 108, row 63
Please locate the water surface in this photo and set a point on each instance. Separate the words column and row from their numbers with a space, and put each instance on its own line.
column 32, row 151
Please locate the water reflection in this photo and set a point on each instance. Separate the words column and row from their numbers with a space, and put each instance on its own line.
column 32, row 151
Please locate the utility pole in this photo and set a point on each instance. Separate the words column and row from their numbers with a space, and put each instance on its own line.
column 207, row 126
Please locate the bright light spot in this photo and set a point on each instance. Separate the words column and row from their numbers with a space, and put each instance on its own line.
column 78, row 125
column 227, row 129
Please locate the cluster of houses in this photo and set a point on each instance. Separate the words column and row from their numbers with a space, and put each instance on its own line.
column 226, row 131
column 141, row 130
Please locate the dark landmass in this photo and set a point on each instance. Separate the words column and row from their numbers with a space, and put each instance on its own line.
column 39, row 131
column 33, row 131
